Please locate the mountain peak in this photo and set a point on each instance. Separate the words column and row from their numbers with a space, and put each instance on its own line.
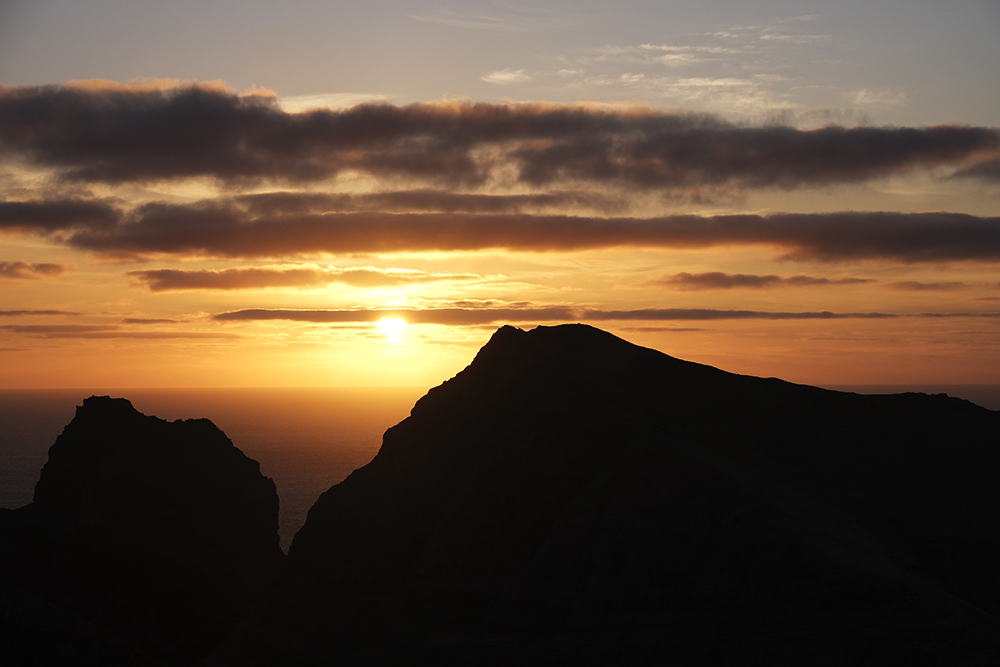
column 158, row 532
column 572, row 498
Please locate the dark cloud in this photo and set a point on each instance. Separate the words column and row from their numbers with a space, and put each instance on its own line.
column 160, row 280
column 442, row 201
column 988, row 170
column 651, row 314
column 150, row 320
column 805, row 281
column 224, row 229
column 914, row 286
column 717, row 280
column 51, row 216
column 25, row 270
column 122, row 134
column 936, row 316
column 19, row 313
column 660, row 329
column 46, row 329
column 450, row 316
column 478, row 316
column 470, row 316
column 99, row 331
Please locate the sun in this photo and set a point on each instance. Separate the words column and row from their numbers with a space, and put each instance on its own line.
column 392, row 327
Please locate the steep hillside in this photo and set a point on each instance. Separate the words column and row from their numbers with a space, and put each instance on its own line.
column 570, row 498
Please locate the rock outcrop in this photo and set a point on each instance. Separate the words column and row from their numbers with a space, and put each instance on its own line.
column 570, row 498
column 145, row 543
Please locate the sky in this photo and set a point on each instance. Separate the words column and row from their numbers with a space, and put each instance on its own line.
column 245, row 193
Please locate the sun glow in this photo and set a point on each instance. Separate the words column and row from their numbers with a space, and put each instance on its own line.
column 392, row 327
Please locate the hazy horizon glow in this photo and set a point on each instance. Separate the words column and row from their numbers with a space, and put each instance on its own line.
column 794, row 190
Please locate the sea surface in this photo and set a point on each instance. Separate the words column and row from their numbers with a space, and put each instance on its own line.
column 306, row 440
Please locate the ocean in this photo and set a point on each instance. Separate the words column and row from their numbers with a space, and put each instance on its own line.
column 306, row 440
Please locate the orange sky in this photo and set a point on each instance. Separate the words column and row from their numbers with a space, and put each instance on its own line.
column 162, row 232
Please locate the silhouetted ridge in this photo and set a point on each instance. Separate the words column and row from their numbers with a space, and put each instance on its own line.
column 570, row 498
column 158, row 534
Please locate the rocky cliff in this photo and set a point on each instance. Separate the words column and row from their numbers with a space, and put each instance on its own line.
column 145, row 543
column 570, row 498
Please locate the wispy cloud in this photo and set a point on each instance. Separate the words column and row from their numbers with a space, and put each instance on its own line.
column 506, row 76
column 473, row 21
column 300, row 103
column 160, row 280
column 502, row 17
column 110, row 331
column 480, row 316
column 878, row 98
column 35, row 270
column 21, row 313
column 432, row 200
column 703, row 314
column 987, row 170
column 151, row 320
column 915, row 286
column 714, row 280
column 450, row 316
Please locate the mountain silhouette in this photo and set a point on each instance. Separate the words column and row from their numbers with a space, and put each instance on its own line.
column 571, row 498
column 144, row 544
column 567, row 499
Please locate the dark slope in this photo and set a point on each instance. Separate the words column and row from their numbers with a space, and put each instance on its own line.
column 146, row 540
column 570, row 498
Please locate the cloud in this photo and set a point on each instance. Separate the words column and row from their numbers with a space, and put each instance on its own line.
column 20, row 313
column 988, row 170
column 650, row 314
column 677, row 59
column 426, row 199
column 718, row 280
column 504, row 18
column 160, row 280
column 655, row 55
column 914, row 286
column 475, row 316
column 23, row 270
column 449, row 316
column 226, row 229
column 124, row 135
column 46, row 217
column 299, row 103
column 150, row 320
column 506, row 76
column 660, row 329
column 138, row 85
column 879, row 99
column 98, row 331
column 479, row 23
